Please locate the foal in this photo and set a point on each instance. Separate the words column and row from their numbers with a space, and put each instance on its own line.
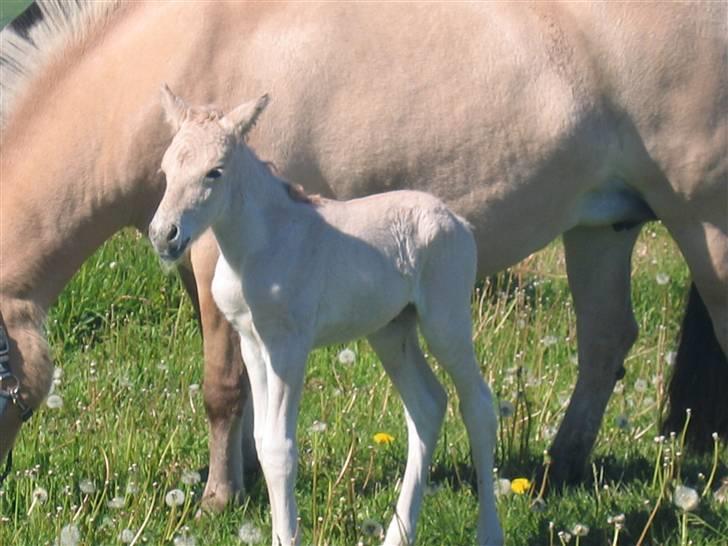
column 296, row 273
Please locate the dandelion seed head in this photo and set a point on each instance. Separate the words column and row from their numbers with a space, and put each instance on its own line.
column 191, row 477
column 193, row 389
column 184, row 540
column 564, row 536
column 502, row 487
column 132, row 488
column 126, row 536
column 506, row 409
column 70, row 535
column 318, row 426
column 174, row 497
column 57, row 373
column 685, row 498
column 40, row 495
column 580, row 530
column 87, row 486
column 116, row 503
column 622, row 422
column 550, row 340
column 346, row 356
column 372, row 528
column 640, row 385
column 54, row 401
column 250, row 534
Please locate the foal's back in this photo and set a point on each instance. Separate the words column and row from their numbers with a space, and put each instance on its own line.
column 374, row 255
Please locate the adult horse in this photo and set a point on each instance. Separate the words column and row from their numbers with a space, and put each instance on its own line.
column 531, row 120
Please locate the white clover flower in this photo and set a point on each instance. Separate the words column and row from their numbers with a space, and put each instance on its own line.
column 87, row 486
column 506, row 409
column 250, row 534
column 54, row 401
column 318, row 426
column 70, row 535
column 502, row 487
column 662, row 278
column 116, row 503
column 372, row 528
column 175, row 497
column 40, row 495
column 126, row 536
column 191, row 477
column 347, row 356
column 685, row 498
column 580, row 530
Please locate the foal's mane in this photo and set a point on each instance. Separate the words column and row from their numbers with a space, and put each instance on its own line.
column 44, row 29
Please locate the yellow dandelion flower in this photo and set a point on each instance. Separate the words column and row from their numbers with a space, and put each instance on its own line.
column 383, row 438
column 520, row 486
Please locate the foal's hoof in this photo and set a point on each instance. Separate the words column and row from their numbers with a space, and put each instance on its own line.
column 215, row 500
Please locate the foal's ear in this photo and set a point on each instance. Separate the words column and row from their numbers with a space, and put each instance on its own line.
column 243, row 118
column 175, row 109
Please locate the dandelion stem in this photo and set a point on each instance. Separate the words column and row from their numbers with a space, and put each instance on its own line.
column 714, row 469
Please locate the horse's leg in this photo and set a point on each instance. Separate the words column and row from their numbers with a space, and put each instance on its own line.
column 285, row 358
column 446, row 325
column 598, row 267
column 700, row 377
column 223, row 385
column 425, row 402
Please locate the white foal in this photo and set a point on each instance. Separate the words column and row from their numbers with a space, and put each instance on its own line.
column 296, row 273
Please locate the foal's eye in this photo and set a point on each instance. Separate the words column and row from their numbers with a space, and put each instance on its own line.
column 213, row 174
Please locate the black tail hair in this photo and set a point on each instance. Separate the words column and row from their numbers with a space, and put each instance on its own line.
column 699, row 379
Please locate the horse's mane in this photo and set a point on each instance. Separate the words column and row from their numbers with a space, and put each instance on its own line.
column 45, row 28
column 294, row 191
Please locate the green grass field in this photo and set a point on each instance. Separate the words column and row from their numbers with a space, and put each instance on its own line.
column 132, row 422
column 126, row 424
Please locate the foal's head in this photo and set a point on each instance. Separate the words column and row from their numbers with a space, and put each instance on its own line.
column 199, row 165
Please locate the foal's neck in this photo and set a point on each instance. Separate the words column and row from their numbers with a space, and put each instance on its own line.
column 259, row 201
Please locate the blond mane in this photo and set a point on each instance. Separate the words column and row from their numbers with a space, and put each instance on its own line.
column 26, row 51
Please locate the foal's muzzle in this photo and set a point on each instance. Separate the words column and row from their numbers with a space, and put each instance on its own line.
column 168, row 241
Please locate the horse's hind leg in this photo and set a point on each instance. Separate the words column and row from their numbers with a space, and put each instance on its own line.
column 700, row 378
column 424, row 402
column 446, row 325
column 598, row 267
column 223, row 386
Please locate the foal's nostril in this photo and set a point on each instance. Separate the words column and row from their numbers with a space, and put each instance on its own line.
column 173, row 234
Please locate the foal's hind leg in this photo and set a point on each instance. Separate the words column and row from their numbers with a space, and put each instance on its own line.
column 425, row 403
column 446, row 325
column 598, row 266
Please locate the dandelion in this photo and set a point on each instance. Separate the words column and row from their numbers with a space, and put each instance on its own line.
column 184, row 540
column 520, row 486
column 502, row 487
column 670, row 358
column 193, row 389
column 116, row 503
column 383, row 438
column 506, row 409
column 685, row 498
column 548, row 341
column 372, row 528
column 191, row 477
column 640, row 385
column 175, row 497
column 721, row 494
column 40, row 495
column 580, row 530
column 54, row 401
column 249, row 534
column 70, row 535
column 662, row 278
column 87, row 486
column 126, row 536
column 132, row 488
column 318, row 426
column 564, row 537
column 622, row 422
column 347, row 356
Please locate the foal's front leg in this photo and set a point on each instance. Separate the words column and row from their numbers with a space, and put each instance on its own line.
column 285, row 366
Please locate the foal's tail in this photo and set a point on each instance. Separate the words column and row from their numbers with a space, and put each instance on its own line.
column 699, row 379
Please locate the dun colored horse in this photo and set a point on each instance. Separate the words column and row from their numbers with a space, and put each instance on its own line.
column 531, row 120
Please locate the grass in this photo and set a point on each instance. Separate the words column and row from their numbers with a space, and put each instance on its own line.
column 132, row 421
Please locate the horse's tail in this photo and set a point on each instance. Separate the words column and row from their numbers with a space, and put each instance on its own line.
column 699, row 379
